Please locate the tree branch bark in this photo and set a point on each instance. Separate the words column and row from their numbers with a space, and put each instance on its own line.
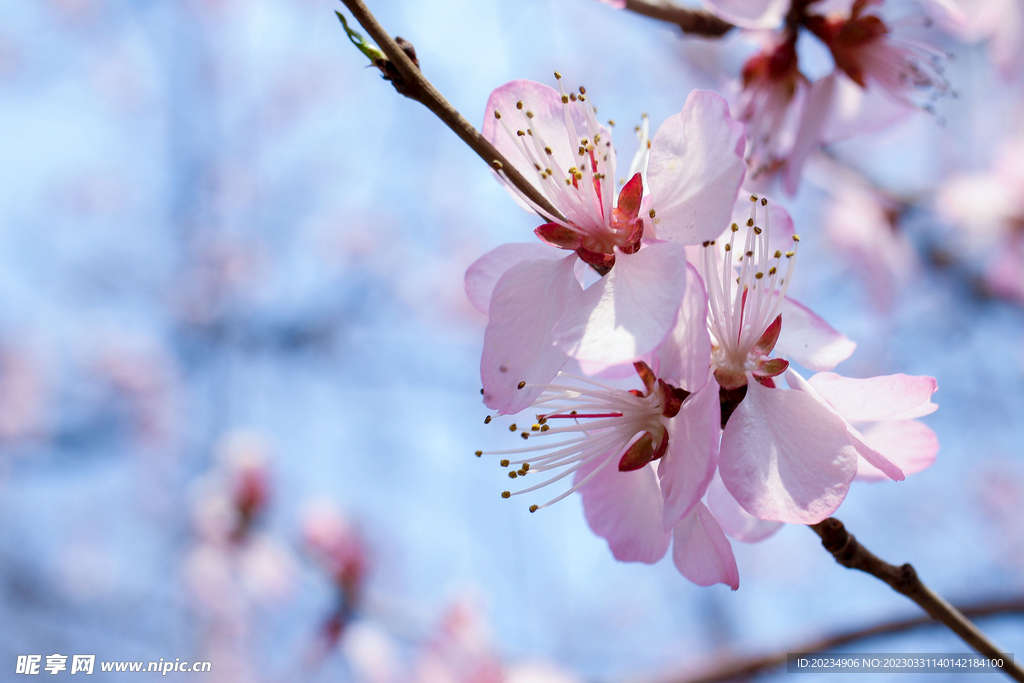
column 414, row 85
column 746, row 667
column 848, row 552
column 691, row 22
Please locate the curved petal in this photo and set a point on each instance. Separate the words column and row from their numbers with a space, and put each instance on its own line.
column 867, row 452
column 701, row 551
column 685, row 355
column 548, row 123
column 734, row 520
column 486, row 270
column 693, row 438
column 764, row 14
column 910, row 444
column 856, row 111
column 786, row 457
column 809, row 340
column 526, row 302
column 820, row 98
column 630, row 311
column 624, row 508
column 696, row 167
column 888, row 397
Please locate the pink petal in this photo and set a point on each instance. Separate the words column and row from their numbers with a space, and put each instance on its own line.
column 786, row 457
column 734, row 520
column 908, row 443
column 624, row 508
column 820, row 97
column 693, row 438
column 856, row 111
column 867, row 452
column 696, row 167
column 750, row 13
column 809, row 340
column 702, row 552
column 889, row 397
column 548, row 123
column 630, row 311
column 685, row 355
column 485, row 271
column 526, row 302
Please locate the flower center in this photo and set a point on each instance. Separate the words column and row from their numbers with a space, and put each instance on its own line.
column 745, row 321
column 593, row 421
column 578, row 179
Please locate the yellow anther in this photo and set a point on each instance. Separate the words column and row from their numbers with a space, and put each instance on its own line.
column 706, row 244
column 534, row 508
column 728, row 247
column 506, row 494
column 572, row 96
column 526, row 467
column 525, row 435
column 544, row 428
column 611, row 122
column 519, row 104
column 503, row 463
column 487, row 420
column 512, row 427
column 558, row 75
column 757, row 230
column 479, row 453
column 758, row 275
column 773, row 270
column 734, row 227
column 547, row 150
column 565, row 99
column 583, row 91
column 513, row 475
column 651, row 212
column 796, row 238
column 521, row 472
column 535, row 428
column 497, row 114
column 529, row 115
column 790, row 254
column 750, row 222
column 764, row 202
column 753, row 197
column 521, row 384
column 778, row 254
column 521, row 133
column 497, row 164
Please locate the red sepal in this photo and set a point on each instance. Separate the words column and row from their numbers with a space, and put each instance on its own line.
column 638, row 455
column 558, row 236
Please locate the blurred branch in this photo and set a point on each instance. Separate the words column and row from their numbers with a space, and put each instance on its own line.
column 690, row 21
column 848, row 552
column 752, row 666
column 403, row 71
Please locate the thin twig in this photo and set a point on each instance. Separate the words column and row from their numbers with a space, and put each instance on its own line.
column 751, row 666
column 852, row 555
column 415, row 86
column 690, row 21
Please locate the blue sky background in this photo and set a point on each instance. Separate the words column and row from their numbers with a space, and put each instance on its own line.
column 214, row 217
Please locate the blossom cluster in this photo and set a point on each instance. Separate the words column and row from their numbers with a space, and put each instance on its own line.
column 677, row 283
column 880, row 74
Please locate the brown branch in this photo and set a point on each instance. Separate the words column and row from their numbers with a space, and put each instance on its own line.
column 409, row 81
column 852, row 555
column 690, row 21
column 752, row 666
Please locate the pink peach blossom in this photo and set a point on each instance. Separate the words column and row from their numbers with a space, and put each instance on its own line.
column 539, row 314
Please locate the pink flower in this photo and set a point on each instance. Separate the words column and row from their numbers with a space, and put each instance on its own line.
column 786, row 455
column 988, row 207
column 539, row 314
column 609, row 440
column 869, row 53
column 999, row 22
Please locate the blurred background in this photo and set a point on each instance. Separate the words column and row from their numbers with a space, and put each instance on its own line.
column 239, row 375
